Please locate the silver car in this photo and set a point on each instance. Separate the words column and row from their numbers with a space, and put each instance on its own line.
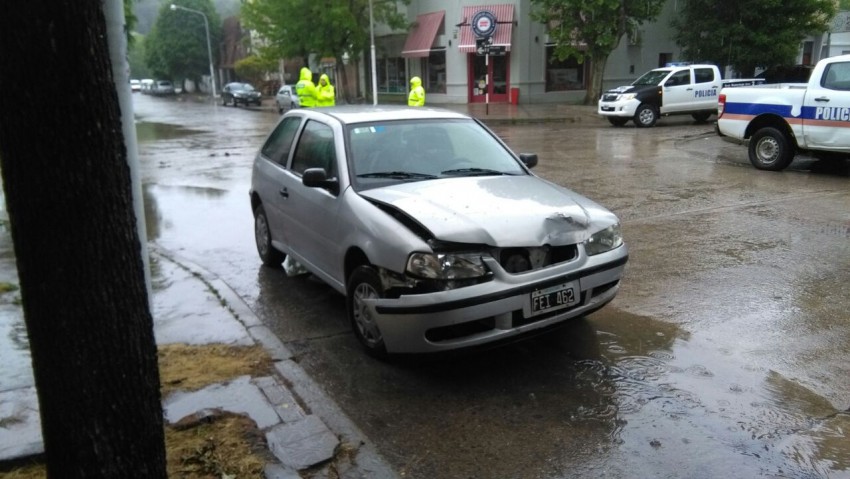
column 438, row 235
column 286, row 98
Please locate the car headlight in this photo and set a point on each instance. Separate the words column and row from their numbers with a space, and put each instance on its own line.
column 446, row 266
column 604, row 240
column 627, row 96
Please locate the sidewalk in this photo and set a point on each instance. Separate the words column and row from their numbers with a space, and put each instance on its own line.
column 302, row 426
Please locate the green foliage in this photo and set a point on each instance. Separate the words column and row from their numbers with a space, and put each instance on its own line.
column 136, row 58
column 592, row 29
column 254, row 68
column 176, row 46
column 748, row 33
column 130, row 22
column 297, row 28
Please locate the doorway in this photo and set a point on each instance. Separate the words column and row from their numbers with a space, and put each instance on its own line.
column 498, row 73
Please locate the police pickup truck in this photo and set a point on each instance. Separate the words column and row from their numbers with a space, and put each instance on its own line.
column 777, row 121
column 677, row 89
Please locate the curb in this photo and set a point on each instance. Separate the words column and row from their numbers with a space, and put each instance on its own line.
column 312, row 431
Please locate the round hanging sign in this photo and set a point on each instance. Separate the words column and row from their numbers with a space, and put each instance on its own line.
column 484, row 24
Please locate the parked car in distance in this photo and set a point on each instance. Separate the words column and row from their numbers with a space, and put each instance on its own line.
column 438, row 235
column 162, row 87
column 286, row 98
column 147, row 86
column 135, row 85
column 236, row 93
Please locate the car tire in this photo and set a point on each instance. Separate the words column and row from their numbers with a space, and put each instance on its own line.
column 269, row 255
column 617, row 121
column 701, row 116
column 292, row 106
column 364, row 283
column 645, row 116
column 279, row 109
column 770, row 149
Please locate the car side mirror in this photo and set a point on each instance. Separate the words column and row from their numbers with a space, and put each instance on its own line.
column 528, row 159
column 318, row 178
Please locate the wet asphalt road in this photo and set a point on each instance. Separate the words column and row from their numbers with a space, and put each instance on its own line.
column 725, row 353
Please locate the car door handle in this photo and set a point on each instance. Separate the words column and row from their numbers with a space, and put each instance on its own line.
column 283, row 192
column 823, row 98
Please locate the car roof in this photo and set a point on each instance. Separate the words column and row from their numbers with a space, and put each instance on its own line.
column 350, row 114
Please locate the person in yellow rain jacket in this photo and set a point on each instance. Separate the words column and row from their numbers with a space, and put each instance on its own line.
column 306, row 89
column 417, row 93
column 327, row 95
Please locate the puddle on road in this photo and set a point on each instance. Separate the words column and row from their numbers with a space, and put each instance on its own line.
column 672, row 398
column 151, row 132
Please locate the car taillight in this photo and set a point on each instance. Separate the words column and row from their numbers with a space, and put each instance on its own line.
column 721, row 104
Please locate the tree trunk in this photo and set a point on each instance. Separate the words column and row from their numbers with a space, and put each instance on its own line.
column 68, row 194
column 597, row 73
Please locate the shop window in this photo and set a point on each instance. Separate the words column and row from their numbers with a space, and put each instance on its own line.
column 563, row 75
column 434, row 66
column 391, row 75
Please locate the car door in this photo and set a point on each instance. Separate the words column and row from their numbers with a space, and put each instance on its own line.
column 313, row 212
column 677, row 92
column 826, row 109
column 705, row 89
column 270, row 174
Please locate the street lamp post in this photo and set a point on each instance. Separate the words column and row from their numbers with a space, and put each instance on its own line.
column 209, row 48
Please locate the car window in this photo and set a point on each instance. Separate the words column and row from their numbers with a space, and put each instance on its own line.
column 679, row 78
column 280, row 141
column 315, row 149
column 837, row 76
column 703, row 75
column 393, row 151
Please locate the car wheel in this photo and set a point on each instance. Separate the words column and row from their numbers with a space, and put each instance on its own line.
column 363, row 284
column 279, row 109
column 617, row 121
column 269, row 255
column 292, row 105
column 770, row 149
column 701, row 117
column 645, row 116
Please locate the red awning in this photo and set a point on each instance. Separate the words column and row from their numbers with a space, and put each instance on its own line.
column 421, row 37
column 505, row 22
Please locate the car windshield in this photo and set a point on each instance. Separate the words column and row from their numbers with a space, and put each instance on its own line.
column 417, row 150
column 652, row 77
column 243, row 87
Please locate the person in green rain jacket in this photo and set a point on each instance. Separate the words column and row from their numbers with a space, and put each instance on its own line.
column 306, row 89
column 417, row 93
column 327, row 95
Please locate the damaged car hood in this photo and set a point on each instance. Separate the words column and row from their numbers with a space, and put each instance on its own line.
column 496, row 210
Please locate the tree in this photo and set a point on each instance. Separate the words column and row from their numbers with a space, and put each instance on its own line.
column 77, row 246
column 591, row 30
column 176, row 47
column 749, row 33
column 254, row 68
column 298, row 28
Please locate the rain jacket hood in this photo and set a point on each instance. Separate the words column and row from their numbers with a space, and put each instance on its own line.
column 326, row 92
column 417, row 93
column 308, row 95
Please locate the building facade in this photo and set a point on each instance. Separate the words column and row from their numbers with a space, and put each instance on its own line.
column 440, row 48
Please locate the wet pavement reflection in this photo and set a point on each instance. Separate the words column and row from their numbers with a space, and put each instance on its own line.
column 724, row 353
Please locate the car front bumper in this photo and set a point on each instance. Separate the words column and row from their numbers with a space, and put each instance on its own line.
column 620, row 108
column 497, row 310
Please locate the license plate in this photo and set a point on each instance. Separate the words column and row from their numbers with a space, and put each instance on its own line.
column 607, row 108
column 552, row 298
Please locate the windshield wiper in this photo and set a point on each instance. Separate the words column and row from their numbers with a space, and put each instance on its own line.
column 473, row 172
column 401, row 175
